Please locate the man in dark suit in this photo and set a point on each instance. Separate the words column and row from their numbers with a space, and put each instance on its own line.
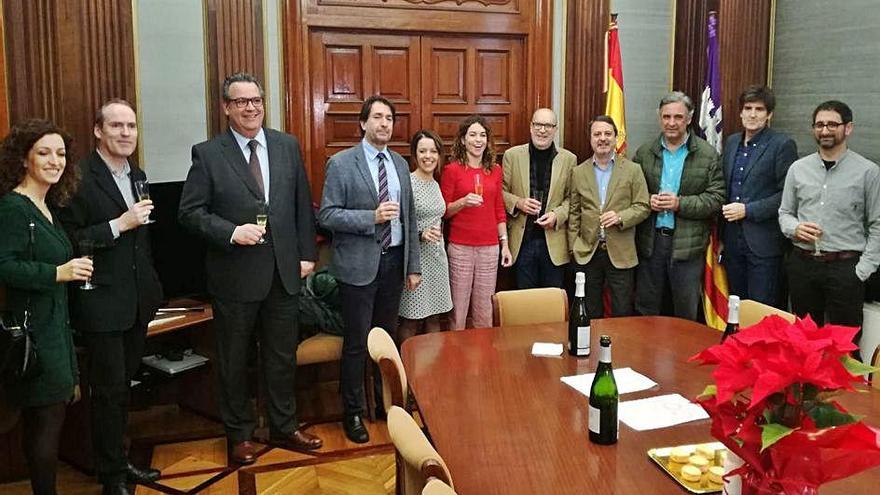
column 253, row 271
column 755, row 163
column 368, row 206
column 113, row 317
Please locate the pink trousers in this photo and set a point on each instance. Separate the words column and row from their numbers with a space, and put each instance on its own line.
column 472, row 274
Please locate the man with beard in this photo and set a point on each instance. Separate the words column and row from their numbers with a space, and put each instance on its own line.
column 831, row 211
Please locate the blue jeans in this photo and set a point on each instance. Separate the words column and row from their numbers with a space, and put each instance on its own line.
column 534, row 268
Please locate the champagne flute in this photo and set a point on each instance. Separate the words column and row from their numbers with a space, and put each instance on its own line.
column 87, row 250
column 142, row 189
column 538, row 195
column 816, row 250
column 478, row 183
column 262, row 218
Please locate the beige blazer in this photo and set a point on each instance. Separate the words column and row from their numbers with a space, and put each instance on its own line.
column 515, row 185
column 627, row 195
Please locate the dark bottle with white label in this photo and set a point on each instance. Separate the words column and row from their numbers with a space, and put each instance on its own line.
column 604, row 398
column 732, row 317
column 579, row 320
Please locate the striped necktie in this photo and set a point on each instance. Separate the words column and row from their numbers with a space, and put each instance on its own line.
column 383, row 197
column 254, row 165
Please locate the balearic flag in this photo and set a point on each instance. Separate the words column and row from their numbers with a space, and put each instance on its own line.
column 614, row 84
column 714, row 277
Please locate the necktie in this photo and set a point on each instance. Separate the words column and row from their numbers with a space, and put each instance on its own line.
column 383, row 197
column 254, row 165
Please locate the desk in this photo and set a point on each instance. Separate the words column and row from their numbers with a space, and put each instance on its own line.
column 505, row 424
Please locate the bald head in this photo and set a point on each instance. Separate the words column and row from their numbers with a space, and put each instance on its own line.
column 543, row 128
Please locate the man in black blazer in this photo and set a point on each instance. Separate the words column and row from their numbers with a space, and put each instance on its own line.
column 113, row 316
column 755, row 163
column 253, row 271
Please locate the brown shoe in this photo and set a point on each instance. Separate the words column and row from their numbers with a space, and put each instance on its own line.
column 243, row 453
column 300, row 440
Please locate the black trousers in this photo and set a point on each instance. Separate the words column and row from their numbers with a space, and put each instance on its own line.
column 364, row 307
column 274, row 322
column 832, row 287
column 620, row 282
column 113, row 357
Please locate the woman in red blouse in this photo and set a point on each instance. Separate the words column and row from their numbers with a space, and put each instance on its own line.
column 471, row 186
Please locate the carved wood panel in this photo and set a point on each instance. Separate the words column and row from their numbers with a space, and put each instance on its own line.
column 4, row 104
column 505, row 6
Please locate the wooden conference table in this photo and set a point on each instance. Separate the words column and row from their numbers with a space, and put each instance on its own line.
column 505, row 424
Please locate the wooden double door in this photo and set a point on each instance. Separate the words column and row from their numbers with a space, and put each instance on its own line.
column 434, row 81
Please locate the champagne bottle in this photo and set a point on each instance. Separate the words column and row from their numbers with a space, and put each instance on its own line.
column 603, row 421
column 579, row 320
column 732, row 317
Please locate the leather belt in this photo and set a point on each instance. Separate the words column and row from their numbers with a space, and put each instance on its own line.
column 826, row 256
column 665, row 231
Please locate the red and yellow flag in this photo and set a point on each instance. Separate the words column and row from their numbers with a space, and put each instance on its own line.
column 614, row 107
column 715, row 289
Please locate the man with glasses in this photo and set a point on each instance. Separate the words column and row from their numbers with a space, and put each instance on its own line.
column 253, row 270
column 535, row 188
column 684, row 178
column 755, row 164
column 831, row 211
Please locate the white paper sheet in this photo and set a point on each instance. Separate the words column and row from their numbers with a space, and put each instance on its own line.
column 627, row 381
column 659, row 412
column 546, row 349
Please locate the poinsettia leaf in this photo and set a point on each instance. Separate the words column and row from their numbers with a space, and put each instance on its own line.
column 772, row 433
column 826, row 415
column 856, row 367
column 710, row 391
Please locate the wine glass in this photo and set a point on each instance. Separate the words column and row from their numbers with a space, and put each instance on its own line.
column 87, row 250
column 262, row 217
column 142, row 189
column 538, row 195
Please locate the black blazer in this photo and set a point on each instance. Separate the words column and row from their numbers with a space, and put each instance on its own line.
column 764, row 179
column 220, row 193
column 128, row 289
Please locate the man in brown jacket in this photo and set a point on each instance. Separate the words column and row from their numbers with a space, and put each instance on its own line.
column 608, row 198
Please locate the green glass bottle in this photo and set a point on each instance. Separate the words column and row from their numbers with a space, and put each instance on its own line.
column 603, row 421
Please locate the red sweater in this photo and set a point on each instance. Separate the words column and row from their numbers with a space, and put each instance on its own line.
column 473, row 226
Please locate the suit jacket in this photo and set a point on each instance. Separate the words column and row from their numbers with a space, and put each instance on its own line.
column 627, row 195
column 763, row 181
column 220, row 193
column 516, row 185
column 127, row 286
column 347, row 210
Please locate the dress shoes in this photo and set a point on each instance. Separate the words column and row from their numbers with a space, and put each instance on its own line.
column 118, row 488
column 355, row 429
column 243, row 453
column 299, row 440
column 140, row 476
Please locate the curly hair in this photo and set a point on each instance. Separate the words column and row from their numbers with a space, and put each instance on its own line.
column 14, row 152
column 459, row 151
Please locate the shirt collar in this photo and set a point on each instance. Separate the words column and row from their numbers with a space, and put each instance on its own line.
column 610, row 161
column 371, row 151
column 126, row 168
column 684, row 144
column 757, row 138
column 243, row 141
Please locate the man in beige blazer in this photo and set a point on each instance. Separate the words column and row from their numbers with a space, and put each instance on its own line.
column 608, row 198
column 535, row 189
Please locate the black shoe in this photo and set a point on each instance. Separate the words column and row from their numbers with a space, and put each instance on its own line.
column 115, row 489
column 140, row 476
column 355, row 429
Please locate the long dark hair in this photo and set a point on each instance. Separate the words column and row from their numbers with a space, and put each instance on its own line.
column 414, row 145
column 14, row 154
column 459, row 151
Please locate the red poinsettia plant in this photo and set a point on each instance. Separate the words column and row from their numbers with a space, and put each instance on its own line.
column 773, row 404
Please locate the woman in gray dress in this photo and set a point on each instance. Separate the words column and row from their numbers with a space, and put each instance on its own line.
column 420, row 308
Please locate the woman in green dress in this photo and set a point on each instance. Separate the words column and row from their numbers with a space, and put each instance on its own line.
column 34, row 180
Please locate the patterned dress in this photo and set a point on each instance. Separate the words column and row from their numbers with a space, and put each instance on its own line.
column 433, row 295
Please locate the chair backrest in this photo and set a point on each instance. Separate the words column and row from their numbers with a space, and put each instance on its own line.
column 875, row 377
column 384, row 352
column 420, row 461
column 751, row 312
column 530, row 306
column 437, row 487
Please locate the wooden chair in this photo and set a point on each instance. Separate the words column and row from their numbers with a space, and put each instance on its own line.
column 417, row 460
column 437, row 487
column 529, row 306
column 384, row 352
column 873, row 377
column 319, row 348
column 751, row 312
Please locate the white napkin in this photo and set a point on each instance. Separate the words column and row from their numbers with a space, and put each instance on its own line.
column 627, row 381
column 659, row 412
column 546, row 349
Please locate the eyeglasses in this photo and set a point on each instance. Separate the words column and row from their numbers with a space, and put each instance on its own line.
column 256, row 101
column 539, row 126
column 832, row 126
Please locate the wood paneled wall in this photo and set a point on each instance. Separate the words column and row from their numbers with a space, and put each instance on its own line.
column 65, row 57
column 584, row 63
column 4, row 94
column 744, row 37
column 234, row 39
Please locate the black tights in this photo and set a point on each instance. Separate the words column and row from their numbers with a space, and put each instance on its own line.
column 42, row 429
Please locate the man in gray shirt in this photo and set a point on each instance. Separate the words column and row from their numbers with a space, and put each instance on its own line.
column 831, row 211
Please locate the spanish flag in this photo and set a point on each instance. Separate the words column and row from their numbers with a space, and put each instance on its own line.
column 614, row 107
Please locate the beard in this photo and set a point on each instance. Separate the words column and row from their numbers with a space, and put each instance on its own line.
column 828, row 142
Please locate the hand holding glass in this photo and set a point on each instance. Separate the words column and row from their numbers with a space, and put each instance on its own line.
column 262, row 218
column 87, row 250
column 478, row 183
column 816, row 250
column 142, row 189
